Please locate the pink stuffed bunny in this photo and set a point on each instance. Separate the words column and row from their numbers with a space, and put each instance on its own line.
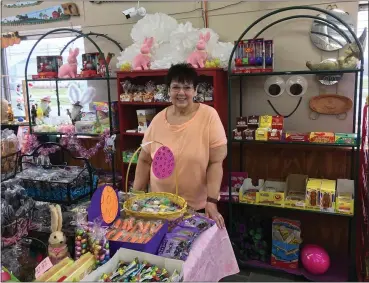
column 69, row 70
column 197, row 58
column 142, row 60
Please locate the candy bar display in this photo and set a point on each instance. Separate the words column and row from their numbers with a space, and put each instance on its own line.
column 155, row 205
column 204, row 92
column 57, row 183
column 270, row 128
column 301, row 192
column 177, row 244
column 139, row 271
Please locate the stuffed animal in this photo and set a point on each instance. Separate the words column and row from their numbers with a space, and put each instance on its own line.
column 142, row 60
column 198, row 58
column 58, row 248
column 69, row 70
column 78, row 100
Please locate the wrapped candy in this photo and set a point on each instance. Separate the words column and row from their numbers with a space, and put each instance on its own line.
column 148, row 96
column 126, row 96
column 81, row 238
column 99, row 245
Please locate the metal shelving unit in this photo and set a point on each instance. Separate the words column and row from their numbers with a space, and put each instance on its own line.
column 356, row 128
column 108, row 78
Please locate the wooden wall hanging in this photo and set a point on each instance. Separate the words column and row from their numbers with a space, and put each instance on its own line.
column 21, row 4
column 52, row 14
column 330, row 104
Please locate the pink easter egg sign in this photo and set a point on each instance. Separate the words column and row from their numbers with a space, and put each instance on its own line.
column 163, row 163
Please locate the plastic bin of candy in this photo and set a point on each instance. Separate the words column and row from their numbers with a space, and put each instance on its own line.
column 150, row 247
column 58, row 184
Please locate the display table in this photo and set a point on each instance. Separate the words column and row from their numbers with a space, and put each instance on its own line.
column 211, row 257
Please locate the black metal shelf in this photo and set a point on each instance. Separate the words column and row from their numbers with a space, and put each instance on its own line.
column 295, row 143
column 350, row 267
column 304, row 72
column 72, row 79
column 107, row 79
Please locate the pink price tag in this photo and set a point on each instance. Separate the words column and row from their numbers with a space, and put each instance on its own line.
column 44, row 266
column 163, row 163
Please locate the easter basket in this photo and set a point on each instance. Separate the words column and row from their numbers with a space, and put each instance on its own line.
column 174, row 198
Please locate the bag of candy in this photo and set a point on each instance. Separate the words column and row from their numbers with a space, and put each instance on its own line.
column 175, row 246
column 197, row 221
column 186, row 231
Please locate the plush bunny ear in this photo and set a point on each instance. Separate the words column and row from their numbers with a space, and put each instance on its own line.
column 54, row 218
column 88, row 95
column 74, row 93
column 60, row 217
column 76, row 52
column 206, row 37
column 201, row 36
column 71, row 51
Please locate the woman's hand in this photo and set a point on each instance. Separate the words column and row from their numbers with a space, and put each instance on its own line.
column 211, row 211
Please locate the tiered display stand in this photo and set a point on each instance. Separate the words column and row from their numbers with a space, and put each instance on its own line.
column 107, row 79
column 341, row 269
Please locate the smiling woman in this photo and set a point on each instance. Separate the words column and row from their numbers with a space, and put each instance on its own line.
column 196, row 136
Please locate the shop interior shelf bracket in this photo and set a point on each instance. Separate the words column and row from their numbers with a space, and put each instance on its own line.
column 107, row 78
column 356, row 128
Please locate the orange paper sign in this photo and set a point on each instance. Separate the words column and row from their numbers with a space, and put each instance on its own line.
column 109, row 204
column 44, row 266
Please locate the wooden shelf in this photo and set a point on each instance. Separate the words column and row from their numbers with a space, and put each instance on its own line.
column 211, row 103
column 133, row 134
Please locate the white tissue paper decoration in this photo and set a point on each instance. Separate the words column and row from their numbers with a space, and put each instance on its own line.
column 173, row 42
column 128, row 54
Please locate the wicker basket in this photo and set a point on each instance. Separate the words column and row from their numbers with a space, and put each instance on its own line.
column 175, row 198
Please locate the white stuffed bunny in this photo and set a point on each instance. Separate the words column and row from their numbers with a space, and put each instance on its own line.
column 78, row 100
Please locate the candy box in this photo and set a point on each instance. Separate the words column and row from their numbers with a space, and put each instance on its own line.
column 269, row 53
column 89, row 63
column 286, row 240
column 296, row 137
column 151, row 247
column 321, row 137
column 277, row 122
column 296, row 191
column 127, row 255
column 144, row 118
column 327, row 195
column 248, row 134
column 265, row 121
column 345, row 196
column 55, row 271
column 253, row 122
column 250, row 193
column 275, row 135
column 78, row 270
column 272, row 193
column 313, row 194
column 48, row 66
column 237, row 134
column 343, row 138
column 241, row 123
column 261, row 134
column 127, row 155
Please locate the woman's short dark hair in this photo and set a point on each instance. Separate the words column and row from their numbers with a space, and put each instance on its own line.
column 182, row 73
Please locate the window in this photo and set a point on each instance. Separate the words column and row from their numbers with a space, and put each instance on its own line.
column 16, row 57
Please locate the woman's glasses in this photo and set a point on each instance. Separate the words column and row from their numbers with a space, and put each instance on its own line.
column 177, row 89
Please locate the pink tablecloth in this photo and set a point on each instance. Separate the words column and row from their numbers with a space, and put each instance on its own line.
column 211, row 257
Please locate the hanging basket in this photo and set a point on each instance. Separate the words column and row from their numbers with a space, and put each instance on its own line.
column 175, row 198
